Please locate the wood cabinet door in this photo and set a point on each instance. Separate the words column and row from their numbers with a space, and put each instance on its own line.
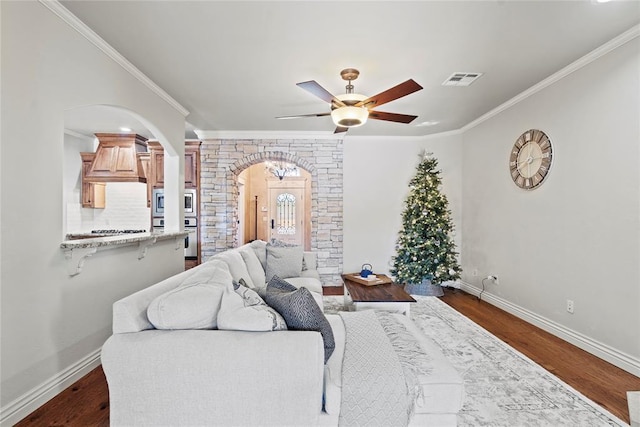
column 92, row 193
column 157, row 159
column 191, row 169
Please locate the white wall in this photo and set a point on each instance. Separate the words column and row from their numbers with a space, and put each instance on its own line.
column 377, row 171
column 577, row 236
column 49, row 320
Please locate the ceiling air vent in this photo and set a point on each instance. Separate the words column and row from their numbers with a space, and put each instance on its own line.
column 461, row 79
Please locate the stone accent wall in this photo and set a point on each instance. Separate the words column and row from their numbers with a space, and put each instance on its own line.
column 222, row 160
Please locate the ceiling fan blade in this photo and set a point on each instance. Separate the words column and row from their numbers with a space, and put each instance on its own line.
column 314, row 88
column 300, row 116
column 340, row 129
column 391, row 117
column 403, row 89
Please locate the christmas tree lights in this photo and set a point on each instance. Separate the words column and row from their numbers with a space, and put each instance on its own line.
column 425, row 247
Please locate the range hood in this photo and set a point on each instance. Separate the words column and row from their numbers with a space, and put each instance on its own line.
column 120, row 157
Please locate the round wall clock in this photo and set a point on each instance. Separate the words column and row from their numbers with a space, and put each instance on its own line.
column 530, row 159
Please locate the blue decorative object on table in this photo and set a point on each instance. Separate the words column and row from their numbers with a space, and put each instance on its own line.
column 367, row 270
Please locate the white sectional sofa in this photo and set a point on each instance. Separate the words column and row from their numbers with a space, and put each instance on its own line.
column 168, row 364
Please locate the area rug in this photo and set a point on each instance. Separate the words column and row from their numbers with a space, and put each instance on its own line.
column 503, row 387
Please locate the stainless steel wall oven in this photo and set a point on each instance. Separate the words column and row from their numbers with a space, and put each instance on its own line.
column 190, row 202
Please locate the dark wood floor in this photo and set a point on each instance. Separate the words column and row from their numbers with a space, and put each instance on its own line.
column 86, row 403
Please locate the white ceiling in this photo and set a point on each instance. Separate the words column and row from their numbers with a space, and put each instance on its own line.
column 235, row 65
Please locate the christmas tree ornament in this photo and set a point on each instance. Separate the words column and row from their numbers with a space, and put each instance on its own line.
column 425, row 252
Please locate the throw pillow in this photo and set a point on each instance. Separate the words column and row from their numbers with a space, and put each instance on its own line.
column 242, row 309
column 236, row 264
column 254, row 267
column 276, row 283
column 214, row 270
column 283, row 244
column 193, row 306
column 300, row 311
column 283, row 261
column 260, row 249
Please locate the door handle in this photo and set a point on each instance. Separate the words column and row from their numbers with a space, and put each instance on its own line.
column 273, row 224
column 186, row 242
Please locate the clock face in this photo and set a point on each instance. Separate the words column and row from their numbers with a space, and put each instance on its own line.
column 530, row 159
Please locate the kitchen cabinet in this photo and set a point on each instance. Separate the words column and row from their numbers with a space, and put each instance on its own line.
column 92, row 193
column 191, row 164
column 155, row 180
column 145, row 161
column 117, row 158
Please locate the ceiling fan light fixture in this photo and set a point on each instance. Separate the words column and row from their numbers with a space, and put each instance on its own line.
column 349, row 117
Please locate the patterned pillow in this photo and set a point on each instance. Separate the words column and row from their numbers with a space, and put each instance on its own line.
column 300, row 311
column 242, row 309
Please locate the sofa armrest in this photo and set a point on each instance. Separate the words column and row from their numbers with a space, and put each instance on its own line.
column 188, row 377
column 310, row 259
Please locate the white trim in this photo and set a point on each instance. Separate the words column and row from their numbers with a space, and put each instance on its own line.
column 250, row 134
column 101, row 44
column 417, row 138
column 623, row 38
column 41, row 394
column 615, row 43
column 79, row 135
column 603, row 351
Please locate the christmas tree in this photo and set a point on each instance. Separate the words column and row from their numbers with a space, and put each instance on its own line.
column 425, row 248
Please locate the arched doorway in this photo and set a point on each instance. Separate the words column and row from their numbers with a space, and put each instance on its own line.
column 274, row 202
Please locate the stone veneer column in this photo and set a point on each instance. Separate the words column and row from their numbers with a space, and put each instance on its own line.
column 222, row 160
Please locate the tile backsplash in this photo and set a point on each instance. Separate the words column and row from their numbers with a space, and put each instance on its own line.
column 125, row 208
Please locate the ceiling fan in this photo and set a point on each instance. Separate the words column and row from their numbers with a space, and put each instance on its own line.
column 352, row 109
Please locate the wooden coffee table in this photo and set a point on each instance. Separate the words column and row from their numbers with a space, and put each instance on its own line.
column 388, row 297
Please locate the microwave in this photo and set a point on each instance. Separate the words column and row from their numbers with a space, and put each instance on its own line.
column 190, row 202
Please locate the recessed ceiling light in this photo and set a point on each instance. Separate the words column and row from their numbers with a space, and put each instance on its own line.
column 123, row 129
column 428, row 123
column 603, row 1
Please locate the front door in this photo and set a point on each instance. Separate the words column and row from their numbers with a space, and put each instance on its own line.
column 286, row 210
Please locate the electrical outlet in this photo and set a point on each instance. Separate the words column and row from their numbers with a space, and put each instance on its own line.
column 494, row 279
column 570, row 306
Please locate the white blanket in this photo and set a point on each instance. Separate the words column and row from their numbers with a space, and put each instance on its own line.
column 380, row 366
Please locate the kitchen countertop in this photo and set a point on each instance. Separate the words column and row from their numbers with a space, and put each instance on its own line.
column 78, row 249
column 119, row 239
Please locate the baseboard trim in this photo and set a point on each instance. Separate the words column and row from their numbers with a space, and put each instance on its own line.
column 39, row 395
column 603, row 351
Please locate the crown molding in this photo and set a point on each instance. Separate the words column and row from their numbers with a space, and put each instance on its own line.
column 404, row 138
column 75, row 23
column 239, row 134
column 611, row 45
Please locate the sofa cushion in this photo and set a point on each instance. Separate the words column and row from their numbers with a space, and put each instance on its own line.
column 236, row 264
column 253, row 264
column 300, row 311
column 260, row 249
column 192, row 306
column 242, row 309
column 283, row 261
column 333, row 368
column 310, row 283
column 130, row 313
column 214, row 270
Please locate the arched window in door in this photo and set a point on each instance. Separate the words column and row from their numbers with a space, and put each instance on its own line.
column 286, row 214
